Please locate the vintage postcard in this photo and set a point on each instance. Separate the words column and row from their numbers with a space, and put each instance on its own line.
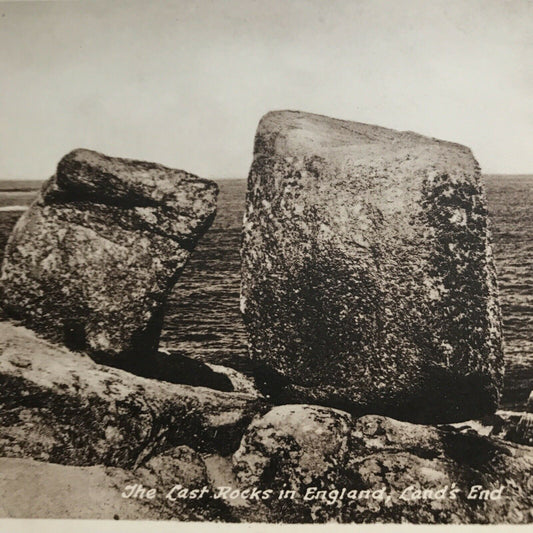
column 265, row 264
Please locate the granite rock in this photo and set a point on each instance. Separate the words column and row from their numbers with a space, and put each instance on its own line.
column 368, row 281
column 307, row 439
column 90, row 264
column 375, row 469
column 62, row 407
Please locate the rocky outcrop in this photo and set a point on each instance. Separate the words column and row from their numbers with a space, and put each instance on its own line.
column 329, row 466
column 368, row 281
column 98, row 430
column 31, row 489
column 92, row 261
column 62, row 407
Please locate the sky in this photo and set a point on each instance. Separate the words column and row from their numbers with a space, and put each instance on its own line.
column 184, row 83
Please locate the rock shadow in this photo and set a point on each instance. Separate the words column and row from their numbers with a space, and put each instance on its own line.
column 173, row 367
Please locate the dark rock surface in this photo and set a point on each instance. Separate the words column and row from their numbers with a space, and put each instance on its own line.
column 92, row 261
column 495, row 425
column 368, row 281
column 522, row 431
column 389, row 463
column 62, row 407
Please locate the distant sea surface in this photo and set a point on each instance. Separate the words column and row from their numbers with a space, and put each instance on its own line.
column 203, row 318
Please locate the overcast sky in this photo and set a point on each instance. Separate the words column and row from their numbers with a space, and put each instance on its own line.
column 184, row 83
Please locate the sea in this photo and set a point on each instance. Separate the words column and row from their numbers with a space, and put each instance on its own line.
column 203, row 320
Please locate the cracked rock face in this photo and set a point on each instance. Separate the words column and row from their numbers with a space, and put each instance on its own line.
column 91, row 263
column 368, row 281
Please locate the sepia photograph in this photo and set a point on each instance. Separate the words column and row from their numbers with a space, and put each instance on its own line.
column 265, row 263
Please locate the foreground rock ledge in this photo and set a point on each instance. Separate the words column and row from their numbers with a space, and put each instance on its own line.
column 92, row 261
column 368, row 281
column 308, row 448
column 62, row 407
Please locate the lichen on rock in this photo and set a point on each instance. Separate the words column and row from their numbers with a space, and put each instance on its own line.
column 375, row 469
column 92, row 261
column 368, row 281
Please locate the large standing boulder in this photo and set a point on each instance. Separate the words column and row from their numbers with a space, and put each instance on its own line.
column 368, row 281
column 92, row 261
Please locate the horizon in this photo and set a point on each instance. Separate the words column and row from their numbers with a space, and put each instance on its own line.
column 185, row 83
column 244, row 178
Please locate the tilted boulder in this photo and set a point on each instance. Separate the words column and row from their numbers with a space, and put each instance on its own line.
column 368, row 281
column 92, row 261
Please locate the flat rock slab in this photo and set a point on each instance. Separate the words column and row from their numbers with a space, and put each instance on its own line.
column 329, row 466
column 62, row 407
column 92, row 261
column 368, row 281
column 31, row 489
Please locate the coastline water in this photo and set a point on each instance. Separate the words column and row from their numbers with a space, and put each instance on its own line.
column 203, row 319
